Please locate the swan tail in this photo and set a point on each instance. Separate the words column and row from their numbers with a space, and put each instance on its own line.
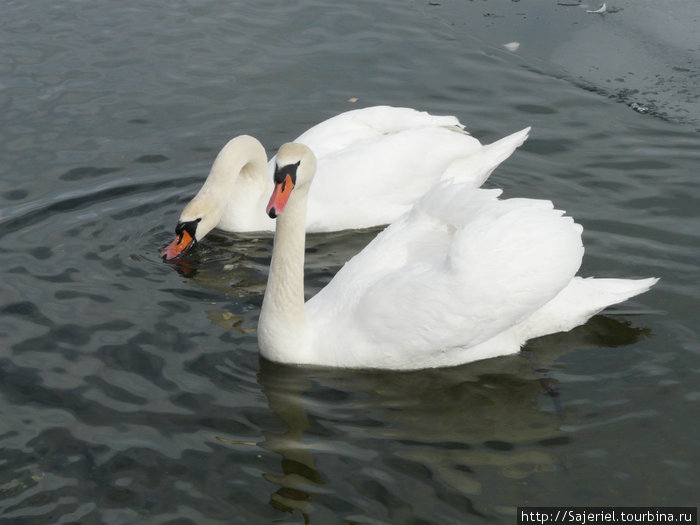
column 580, row 300
column 476, row 167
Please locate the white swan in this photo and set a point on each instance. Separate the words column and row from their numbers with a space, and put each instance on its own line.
column 462, row 276
column 373, row 163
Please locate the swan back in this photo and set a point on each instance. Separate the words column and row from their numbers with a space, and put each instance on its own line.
column 368, row 124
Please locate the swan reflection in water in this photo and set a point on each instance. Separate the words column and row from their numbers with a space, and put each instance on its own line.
column 415, row 430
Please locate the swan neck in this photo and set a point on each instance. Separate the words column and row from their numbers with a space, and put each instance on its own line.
column 283, row 329
column 244, row 163
column 236, row 185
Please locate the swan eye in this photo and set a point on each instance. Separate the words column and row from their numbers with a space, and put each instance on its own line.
column 290, row 170
column 189, row 227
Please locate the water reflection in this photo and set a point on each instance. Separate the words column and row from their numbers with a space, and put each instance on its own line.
column 299, row 475
column 440, row 426
column 236, row 264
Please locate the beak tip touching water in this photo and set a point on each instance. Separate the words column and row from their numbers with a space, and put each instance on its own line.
column 179, row 246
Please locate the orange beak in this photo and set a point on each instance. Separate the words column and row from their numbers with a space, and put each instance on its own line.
column 280, row 196
column 179, row 246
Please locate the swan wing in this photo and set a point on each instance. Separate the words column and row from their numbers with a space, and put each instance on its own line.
column 378, row 161
column 460, row 268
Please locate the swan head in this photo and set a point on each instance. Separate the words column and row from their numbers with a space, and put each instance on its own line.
column 199, row 217
column 204, row 212
column 295, row 168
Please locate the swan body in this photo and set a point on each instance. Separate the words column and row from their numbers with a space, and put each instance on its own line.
column 373, row 164
column 460, row 277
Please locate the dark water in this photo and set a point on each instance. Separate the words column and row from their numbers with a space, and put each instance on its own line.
column 131, row 391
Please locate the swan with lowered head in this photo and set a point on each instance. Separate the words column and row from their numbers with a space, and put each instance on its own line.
column 373, row 163
column 462, row 276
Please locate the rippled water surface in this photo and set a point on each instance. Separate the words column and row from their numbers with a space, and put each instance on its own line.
column 131, row 391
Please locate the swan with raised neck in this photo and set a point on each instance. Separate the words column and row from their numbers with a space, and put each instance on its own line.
column 462, row 276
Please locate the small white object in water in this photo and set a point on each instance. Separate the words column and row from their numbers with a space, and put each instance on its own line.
column 353, row 99
column 603, row 8
column 639, row 108
column 512, row 46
